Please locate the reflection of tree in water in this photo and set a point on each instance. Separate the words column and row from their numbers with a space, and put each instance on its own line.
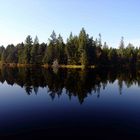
column 78, row 83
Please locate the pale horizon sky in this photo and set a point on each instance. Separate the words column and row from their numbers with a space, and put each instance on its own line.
column 112, row 18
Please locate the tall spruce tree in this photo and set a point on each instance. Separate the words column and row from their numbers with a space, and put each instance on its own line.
column 33, row 52
column 27, row 49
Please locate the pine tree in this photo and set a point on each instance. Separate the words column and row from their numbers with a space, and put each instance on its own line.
column 33, row 52
column 27, row 49
column 83, row 41
column 84, row 59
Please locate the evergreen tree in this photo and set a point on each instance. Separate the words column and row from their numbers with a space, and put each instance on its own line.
column 100, row 40
column 84, row 59
column 72, row 50
column 41, row 53
column 83, row 42
column 11, row 52
column 33, row 52
column 61, row 50
column 78, row 50
column 121, row 47
column 28, row 40
column 51, row 51
column 1, row 52
column 36, row 41
column 113, row 57
column 3, row 57
column 53, row 38
column 27, row 49
column 20, row 48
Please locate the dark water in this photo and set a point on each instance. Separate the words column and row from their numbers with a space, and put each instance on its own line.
column 36, row 102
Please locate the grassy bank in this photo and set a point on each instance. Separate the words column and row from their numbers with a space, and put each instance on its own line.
column 45, row 66
column 75, row 66
column 17, row 65
column 67, row 66
column 71, row 66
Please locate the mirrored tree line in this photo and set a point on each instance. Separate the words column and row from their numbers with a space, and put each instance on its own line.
column 77, row 50
column 74, row 83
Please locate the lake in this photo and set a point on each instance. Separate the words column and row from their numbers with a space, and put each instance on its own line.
column 38, row 102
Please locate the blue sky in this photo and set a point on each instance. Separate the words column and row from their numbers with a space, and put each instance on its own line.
column 111, row 18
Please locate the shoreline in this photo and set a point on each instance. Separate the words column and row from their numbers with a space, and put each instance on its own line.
column 46, row 66
column 13, row 65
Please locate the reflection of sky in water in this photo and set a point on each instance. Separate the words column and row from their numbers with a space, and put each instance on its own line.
column 14, row 98
column 20, row 111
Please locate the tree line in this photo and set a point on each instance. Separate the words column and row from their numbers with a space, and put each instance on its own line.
column 78, row 50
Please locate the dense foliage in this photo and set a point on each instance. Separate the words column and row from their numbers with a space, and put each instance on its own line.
column 78, row 50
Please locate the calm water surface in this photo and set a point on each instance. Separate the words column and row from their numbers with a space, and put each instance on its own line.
column 41, row 102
